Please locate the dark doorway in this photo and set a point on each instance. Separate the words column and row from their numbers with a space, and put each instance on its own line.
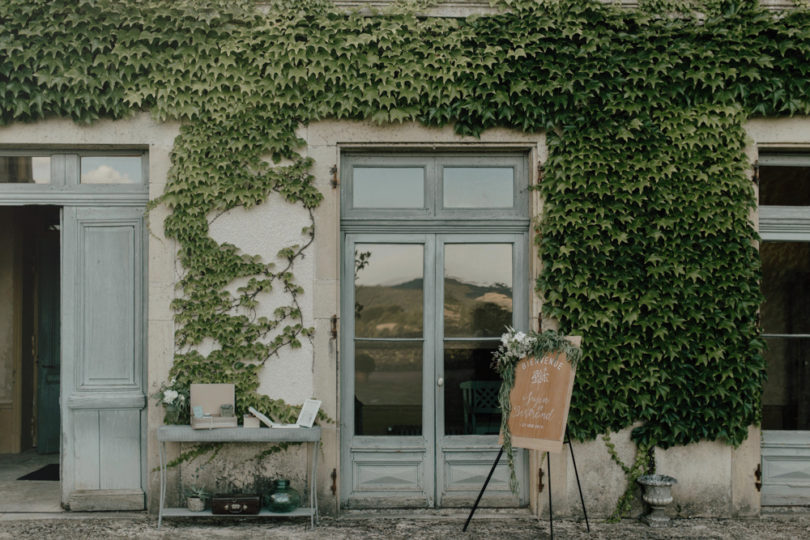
column 30, row 418
column 30, row 276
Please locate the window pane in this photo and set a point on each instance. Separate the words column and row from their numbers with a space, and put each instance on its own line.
column 477, row 289
column 388, row 187
column 387, row 388
column 784, row 186
column 479, row 187
column 112, row 170
column 388, row 290
column 786, row 396
column 25, row 170
column 786, row 287
column 471, row 389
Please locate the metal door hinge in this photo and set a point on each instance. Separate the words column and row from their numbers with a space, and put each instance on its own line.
column 540, row 485
column 334, row 327
column 334, row 481
column 758, row 476
column 540, row 173
column 756, row 172
column 335, row 180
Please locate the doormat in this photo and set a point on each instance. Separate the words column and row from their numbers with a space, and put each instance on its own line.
column 48, row 472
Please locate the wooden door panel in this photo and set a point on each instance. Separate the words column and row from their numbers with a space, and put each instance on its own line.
column 108, row 306
column 119, row 442
column 86, row 449
column 103, row 358
column 785, row 468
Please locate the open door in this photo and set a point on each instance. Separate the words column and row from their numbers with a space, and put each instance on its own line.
column 103, row 399
column 47, row 340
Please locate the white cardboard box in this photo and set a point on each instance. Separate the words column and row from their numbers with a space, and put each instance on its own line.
column 210, row 397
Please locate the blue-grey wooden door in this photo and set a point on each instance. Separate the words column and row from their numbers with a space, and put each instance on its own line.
column 433, row 267
column 481, row 288
column 422, row 314
column 103, row 349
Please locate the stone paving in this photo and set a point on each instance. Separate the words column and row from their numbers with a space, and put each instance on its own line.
column 787, row 525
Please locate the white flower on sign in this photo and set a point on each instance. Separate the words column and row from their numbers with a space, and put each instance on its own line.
column 540, row 376
column 169, row 396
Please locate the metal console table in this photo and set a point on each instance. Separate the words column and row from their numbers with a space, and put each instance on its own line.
column 185, row 434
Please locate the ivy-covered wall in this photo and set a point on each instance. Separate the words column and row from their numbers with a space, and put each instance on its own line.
column 646, row 237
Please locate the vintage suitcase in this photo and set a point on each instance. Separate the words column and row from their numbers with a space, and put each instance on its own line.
column 236, row 504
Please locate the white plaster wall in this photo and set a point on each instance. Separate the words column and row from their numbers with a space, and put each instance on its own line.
column 264, row 230
column 705, row 473
column 782, row 132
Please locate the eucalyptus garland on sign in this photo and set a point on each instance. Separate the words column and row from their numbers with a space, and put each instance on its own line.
column 514, row 347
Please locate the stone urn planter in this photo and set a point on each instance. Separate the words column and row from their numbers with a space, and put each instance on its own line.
column 658, row 494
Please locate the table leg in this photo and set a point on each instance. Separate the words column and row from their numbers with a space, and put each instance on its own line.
column 162, row 454
column 313, row 491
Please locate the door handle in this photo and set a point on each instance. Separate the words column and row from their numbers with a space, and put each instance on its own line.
column 440, row 382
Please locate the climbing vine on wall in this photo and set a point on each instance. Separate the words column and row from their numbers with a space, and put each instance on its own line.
column 646, row 234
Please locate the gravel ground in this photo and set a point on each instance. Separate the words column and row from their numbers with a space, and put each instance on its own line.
column 788, row 525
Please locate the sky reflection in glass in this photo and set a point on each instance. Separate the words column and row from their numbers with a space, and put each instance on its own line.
column 479, row 187
column 388, row 187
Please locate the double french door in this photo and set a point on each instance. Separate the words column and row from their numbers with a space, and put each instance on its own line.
column 785, row 252
column 421, row 315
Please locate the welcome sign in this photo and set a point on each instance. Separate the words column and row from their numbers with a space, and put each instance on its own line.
column 540, row 400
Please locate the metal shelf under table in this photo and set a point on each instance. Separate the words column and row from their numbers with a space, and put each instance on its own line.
column 185, row 434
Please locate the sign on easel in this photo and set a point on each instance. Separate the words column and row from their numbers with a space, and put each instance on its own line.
column 540, row 400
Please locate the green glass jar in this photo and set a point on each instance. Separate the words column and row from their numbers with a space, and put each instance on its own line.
column 171, row 415
column 283, row 498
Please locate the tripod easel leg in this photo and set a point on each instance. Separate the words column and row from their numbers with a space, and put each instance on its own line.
column 550, row 510
column 481, row 494
column 579, row 486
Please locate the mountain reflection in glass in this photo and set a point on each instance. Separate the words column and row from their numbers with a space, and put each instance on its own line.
column 388, row 290
column 388, row 340
column 477, row 289
column 477, row 309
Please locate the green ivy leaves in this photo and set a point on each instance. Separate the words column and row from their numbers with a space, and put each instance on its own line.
column 645, row 236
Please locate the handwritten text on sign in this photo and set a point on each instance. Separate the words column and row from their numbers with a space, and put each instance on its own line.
column 540, row 400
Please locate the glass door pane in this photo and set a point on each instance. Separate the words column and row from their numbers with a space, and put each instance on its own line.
column 477, row 307
column 786, row 323
column 388, row 339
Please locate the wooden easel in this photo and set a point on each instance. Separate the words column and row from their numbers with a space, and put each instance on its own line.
column 548, row 469
column 551, row 378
